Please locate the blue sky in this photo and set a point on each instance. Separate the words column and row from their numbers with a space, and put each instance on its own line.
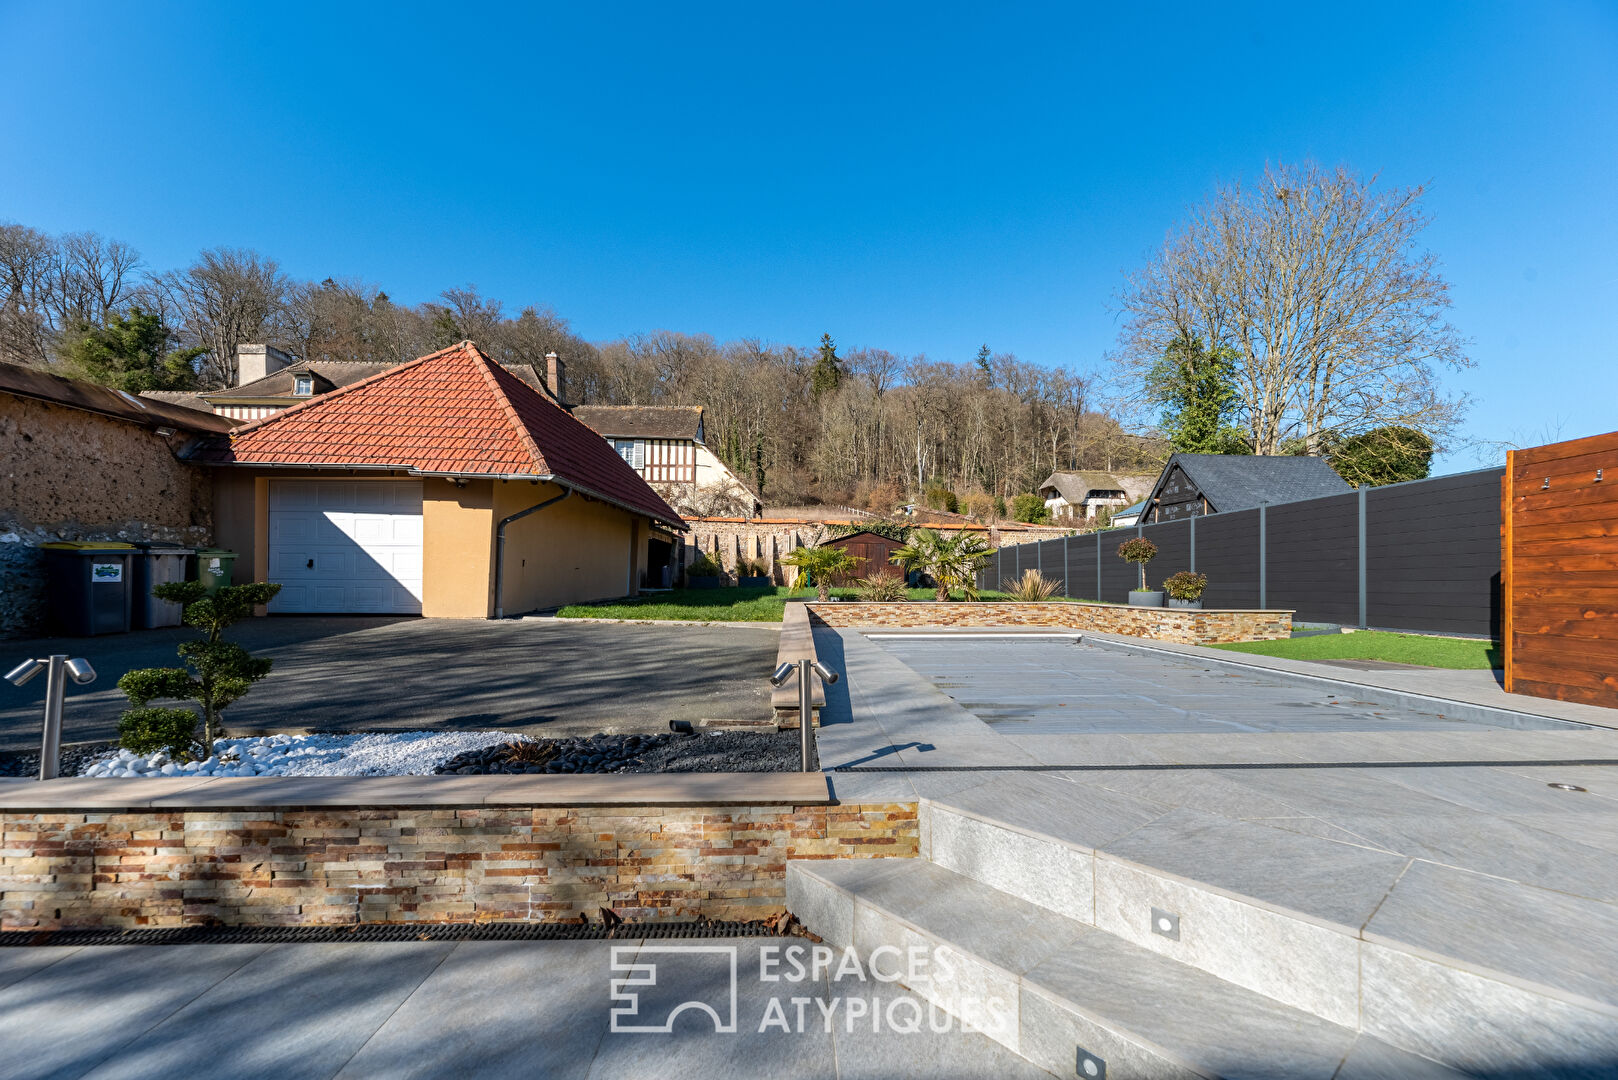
column 923, row 178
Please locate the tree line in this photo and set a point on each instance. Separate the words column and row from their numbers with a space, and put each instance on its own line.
column 864, row 426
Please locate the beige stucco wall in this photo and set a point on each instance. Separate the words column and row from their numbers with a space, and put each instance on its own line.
column 577, row 550
column 67, row 474
column 457, row 549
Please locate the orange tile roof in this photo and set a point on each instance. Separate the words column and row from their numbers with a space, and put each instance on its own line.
column 454, row 411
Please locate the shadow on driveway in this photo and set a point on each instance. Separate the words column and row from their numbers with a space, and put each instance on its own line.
column 357, row 672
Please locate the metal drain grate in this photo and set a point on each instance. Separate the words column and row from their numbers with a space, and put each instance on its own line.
column 376, row 932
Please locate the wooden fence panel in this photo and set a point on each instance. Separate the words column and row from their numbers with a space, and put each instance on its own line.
column 1559, row 570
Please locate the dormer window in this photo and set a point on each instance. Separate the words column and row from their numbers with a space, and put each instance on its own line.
column 303, row 385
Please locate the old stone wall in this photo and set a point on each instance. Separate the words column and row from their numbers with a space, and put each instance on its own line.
column 287, row 866
column 1183, row 625
column 67, row 474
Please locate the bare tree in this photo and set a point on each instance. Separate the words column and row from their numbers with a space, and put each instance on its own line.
column 91, row 279
column 1313, row 278
column 26, row 256
column 228, row 297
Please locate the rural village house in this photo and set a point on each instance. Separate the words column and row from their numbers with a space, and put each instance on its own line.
column 1082, row 495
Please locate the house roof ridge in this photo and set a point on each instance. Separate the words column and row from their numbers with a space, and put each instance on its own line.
column 524, row 436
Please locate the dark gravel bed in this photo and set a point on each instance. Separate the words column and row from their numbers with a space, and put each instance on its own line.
column 720, row 751
column 74, row 757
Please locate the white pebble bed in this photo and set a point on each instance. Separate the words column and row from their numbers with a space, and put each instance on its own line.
column 401, row 753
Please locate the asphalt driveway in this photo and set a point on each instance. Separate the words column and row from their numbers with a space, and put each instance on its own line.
column 357, row 672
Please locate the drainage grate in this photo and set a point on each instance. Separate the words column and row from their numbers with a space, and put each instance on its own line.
column 382, row 932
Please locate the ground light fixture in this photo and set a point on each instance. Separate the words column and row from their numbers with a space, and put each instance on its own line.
column 58, row 668
column 1567, row 787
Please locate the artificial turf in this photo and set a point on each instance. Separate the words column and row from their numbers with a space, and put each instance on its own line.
column 1438, row 652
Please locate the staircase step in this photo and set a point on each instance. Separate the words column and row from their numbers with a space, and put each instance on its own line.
column 1056, row 990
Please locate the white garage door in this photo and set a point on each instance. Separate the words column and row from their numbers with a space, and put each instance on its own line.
column 346, row 546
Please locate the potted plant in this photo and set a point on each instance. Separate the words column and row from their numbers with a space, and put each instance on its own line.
column 1141, row 551
column 704, row 573
column 752, row 574
column 1185, row 588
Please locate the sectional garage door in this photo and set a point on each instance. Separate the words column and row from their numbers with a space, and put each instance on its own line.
column 346, row 546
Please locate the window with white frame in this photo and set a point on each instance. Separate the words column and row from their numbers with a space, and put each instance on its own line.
column 632, row 451
column 303, row 385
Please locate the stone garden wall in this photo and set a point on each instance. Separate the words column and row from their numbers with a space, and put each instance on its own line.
column 1186, row 626
column 290, row 866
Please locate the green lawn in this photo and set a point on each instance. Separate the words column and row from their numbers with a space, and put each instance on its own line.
column 717, row 605
column 1439, row 652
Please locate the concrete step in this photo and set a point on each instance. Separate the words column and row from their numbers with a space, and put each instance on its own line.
column 1069, row 998
column 1476, row 971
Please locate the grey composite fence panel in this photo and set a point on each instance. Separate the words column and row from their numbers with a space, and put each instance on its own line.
column 1117, row 576
column 1314, row 558
column 1083, row 555
column 1227, row 551
column 1433, row 554
column 1173, row 540
column 1050, row 561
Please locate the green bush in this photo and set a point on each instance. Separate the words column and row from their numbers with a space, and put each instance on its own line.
column 1033, row 587
column 1030, row 508
column 1186, row 585
column 150, row 729
column 882, row 588
column 939, row 497
column 704, row 566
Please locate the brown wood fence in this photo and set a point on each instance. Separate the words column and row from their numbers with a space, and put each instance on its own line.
column 1559, row 570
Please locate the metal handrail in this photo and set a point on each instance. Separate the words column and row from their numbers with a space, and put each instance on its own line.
column 806, row 708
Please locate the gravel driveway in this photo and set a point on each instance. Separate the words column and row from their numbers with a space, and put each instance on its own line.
column 342, row 673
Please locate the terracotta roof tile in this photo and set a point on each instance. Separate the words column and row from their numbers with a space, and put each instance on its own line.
column 455, row 411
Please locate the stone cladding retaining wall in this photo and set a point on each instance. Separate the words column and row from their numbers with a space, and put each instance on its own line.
column 291, row 866
column 1188, row 626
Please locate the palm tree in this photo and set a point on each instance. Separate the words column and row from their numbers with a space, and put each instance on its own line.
column 951, row 561
column 822, row 564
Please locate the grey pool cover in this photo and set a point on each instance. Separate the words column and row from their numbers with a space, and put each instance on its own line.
column 1044, row 686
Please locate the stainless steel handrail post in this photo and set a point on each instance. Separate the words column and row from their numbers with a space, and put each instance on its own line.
column 806, row 712
column 50, row 749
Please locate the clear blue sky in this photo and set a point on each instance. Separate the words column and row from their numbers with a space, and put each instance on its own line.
column 923, row 178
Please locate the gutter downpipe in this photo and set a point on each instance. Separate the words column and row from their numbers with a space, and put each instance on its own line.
column 500, row 546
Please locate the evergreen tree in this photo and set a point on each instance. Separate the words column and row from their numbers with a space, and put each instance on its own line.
column 131, row 354
column 984, row 366
column 1196, row 388
column 1383, row 455
column 828, row 370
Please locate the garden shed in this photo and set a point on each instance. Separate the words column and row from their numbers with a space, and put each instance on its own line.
column 872, row 551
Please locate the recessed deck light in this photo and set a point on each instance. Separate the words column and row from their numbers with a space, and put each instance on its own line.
column 1567, row 787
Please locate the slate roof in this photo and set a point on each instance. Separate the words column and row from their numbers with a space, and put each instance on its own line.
column 1242, row 481
column 187, row 399
column 31, row 382
column 454, row 412
column 643, row 421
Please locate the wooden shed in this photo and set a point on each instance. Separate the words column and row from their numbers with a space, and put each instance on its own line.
column 871, row 550
column 1559, row 570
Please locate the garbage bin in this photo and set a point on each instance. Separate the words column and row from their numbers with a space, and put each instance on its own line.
column 157, row 564
column 213, row 567
column 88, row 586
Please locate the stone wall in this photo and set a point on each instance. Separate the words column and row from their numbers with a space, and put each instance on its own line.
column 68, row 474
column 1186, row 626
column 286, row 866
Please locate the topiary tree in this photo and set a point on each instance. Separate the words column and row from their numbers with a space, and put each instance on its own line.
column 217, row 673
column 1139, row 551
column 821, row 564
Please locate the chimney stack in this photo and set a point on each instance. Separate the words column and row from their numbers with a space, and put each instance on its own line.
column 256, row 361
column 555, row 372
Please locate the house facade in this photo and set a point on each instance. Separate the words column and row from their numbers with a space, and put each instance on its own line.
column 666, row 445
column 1083, row 495
column 446, row 486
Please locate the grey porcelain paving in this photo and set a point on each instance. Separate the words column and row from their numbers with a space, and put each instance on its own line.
column 515, row 1009
column 298, row 1011
column 1174, row 1013
column 1564, row 942
column 1333, row 882
column 1075, row 814
column 1372, row 1059
column 1497, row 791
column 18, row 964
column 89, row 1007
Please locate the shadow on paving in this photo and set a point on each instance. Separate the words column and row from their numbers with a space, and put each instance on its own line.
column 344, row 673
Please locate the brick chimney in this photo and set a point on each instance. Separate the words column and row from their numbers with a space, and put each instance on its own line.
column 555, row 372
column 257, row 361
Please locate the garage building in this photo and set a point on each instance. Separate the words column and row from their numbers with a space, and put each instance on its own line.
column 443, row 487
